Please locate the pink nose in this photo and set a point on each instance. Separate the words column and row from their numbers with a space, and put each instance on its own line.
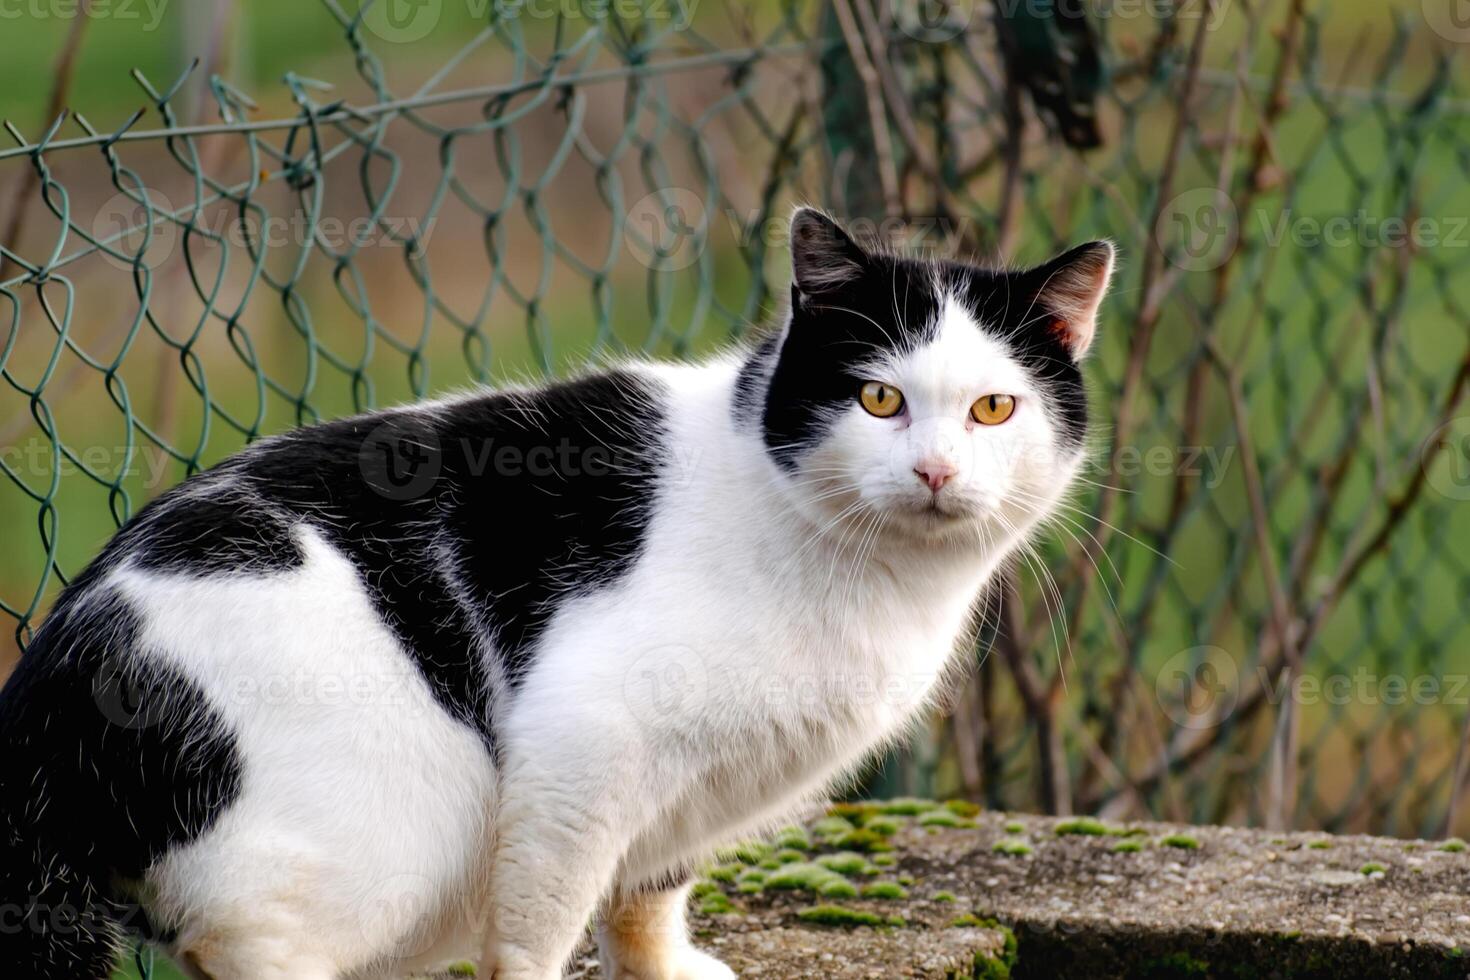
column 936, row 473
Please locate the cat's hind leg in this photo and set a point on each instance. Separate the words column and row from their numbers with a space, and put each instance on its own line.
column 645, row 937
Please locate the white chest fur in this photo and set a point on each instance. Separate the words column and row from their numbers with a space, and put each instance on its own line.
column 751, row 656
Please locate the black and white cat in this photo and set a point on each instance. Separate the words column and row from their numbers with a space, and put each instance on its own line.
column 452, row 679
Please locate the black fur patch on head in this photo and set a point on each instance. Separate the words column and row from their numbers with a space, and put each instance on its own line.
column 849, row 305
column 468, row 521
column 108, row 759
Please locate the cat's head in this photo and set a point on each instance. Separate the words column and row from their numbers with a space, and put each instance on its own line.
column 941, row 395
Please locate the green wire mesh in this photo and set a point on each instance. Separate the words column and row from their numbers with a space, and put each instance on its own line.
column 1278, row 501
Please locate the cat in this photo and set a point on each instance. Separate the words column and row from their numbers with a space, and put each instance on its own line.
column 457, row 678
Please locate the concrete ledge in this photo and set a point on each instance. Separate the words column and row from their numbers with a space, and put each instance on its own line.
column 1081, row 899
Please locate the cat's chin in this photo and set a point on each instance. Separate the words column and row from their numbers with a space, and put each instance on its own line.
column 934, row 520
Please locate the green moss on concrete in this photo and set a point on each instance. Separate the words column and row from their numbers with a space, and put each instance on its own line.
column 856, row 813
column 716, row 904
column 1372, row 868
column 725, row 872
column 838, row 888
column 793, row 838
column 884, row 826
column 462, row 969
column 943, row 897
column 1082, row 826
column 1015, row 827
column 862, row 839
column 844, row 862
column 1128, row 847
column 1184, row 842
column 906, row 806
column 885, row 860
column 1011, row 847
column 832, row 826
column 943, row 818
column 963, row 808
column 1453, row 846
column 748, row 852
column 1321, row 845
column 888, row 891
column 839, row 916
column 801, row 877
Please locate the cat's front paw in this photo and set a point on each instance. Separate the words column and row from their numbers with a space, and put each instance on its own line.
column 669, row 964
column 691, row 964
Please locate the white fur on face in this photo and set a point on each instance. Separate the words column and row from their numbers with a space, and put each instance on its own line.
column 1004, row 474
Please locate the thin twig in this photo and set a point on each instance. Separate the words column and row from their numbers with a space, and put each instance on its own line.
column 62, row 74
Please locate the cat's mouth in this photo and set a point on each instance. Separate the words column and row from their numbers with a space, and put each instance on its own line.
column 937, row 511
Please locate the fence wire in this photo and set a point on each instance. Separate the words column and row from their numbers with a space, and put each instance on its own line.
column 1256, row 610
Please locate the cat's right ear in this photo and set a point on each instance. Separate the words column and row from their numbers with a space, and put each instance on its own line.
column 823, row 256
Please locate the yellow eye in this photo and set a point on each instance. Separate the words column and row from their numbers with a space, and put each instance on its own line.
column 880, row 399
column 993, row 409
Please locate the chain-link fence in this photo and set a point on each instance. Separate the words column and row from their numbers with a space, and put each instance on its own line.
column 1255, row 612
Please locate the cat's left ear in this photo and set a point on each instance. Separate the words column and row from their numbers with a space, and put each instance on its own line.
column 1071, row 287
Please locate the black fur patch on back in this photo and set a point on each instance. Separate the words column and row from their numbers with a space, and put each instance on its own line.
column 107, row 760
column 469, row 521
